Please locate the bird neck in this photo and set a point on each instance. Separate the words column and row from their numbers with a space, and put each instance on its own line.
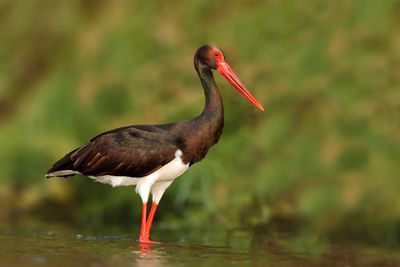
column 213, row 101
column 205, row 130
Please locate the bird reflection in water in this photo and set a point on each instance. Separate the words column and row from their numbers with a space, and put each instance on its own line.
column 145, row 248
column 149, row 256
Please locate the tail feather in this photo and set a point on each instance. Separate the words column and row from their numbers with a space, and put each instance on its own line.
column 63, row 173
column 62, row 168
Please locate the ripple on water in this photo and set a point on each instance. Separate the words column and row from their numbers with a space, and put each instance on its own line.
column 64, row 248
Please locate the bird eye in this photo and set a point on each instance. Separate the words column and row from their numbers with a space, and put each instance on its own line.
column 217, row 55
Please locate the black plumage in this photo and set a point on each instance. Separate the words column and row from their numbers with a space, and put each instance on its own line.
column 139, row 150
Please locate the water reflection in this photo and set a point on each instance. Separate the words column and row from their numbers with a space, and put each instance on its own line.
column 146, row 248
column 150, row 256
column 65, row 248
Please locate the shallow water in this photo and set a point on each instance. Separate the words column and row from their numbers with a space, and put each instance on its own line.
column 37, row 246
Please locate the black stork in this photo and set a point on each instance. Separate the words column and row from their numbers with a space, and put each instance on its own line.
column 152, row 156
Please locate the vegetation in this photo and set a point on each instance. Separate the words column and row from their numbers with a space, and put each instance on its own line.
column 323, row 157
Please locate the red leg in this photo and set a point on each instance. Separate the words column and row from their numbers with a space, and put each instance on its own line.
column 144, row 231
column 142, row 237
column 150, row 219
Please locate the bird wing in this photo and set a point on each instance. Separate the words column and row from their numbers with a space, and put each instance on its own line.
column 134, row 151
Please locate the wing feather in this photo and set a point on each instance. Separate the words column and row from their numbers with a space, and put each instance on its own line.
column 128, row 151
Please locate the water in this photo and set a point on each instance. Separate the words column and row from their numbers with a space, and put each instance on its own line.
column 37, row 246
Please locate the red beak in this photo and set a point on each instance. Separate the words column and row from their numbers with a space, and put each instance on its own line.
column 227, row 72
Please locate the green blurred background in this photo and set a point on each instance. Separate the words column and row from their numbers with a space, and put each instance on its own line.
column 324, row 157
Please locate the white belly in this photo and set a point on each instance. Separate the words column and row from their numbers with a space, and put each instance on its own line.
column 165, row 176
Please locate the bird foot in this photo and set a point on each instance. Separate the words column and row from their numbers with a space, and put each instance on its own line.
column 146, row 240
